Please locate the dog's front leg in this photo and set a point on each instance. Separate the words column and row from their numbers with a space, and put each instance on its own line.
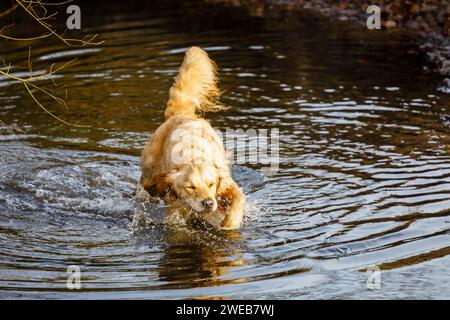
column 235, row 211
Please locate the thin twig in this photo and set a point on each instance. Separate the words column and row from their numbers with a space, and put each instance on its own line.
column 6, row 12
column 67, row 41
column 45, row 35
column 49, row 112
column 38, row 11
column 27, row 83
column 30, row 64
column 11, row 128
column 48, row 3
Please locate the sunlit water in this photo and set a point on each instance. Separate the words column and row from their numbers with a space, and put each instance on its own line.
column 364, row 177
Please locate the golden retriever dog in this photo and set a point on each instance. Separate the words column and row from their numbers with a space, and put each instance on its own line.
column 185, row 161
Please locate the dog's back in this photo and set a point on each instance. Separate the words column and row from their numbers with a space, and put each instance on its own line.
column 194, row 92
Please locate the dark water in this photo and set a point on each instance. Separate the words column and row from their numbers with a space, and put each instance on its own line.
column 364, row 176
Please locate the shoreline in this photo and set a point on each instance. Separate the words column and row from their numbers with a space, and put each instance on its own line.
column 425, row 23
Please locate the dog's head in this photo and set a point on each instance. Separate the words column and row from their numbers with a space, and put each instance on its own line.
column 195, row 185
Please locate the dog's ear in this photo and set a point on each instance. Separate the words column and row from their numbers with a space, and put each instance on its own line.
column 162, row 184
column 224, row 199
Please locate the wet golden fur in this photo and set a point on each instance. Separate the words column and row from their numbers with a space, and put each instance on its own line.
column 185, row 161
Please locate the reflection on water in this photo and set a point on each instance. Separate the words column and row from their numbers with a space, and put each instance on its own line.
column 190, row 260
column 364, row 174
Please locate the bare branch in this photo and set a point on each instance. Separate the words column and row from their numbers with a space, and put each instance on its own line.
column 28, row 85
column 26, row 39
column 68, row 41
column 11, row 128
column 6, row 12
column 48, row 111
column 38, row 11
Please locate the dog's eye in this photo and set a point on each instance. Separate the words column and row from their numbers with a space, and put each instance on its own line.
column 190, row 187
column 211, row 184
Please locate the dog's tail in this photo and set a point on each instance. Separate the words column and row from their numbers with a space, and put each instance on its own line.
column 195, row 88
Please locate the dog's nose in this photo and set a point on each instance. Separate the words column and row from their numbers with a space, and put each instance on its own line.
column 208, row 203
